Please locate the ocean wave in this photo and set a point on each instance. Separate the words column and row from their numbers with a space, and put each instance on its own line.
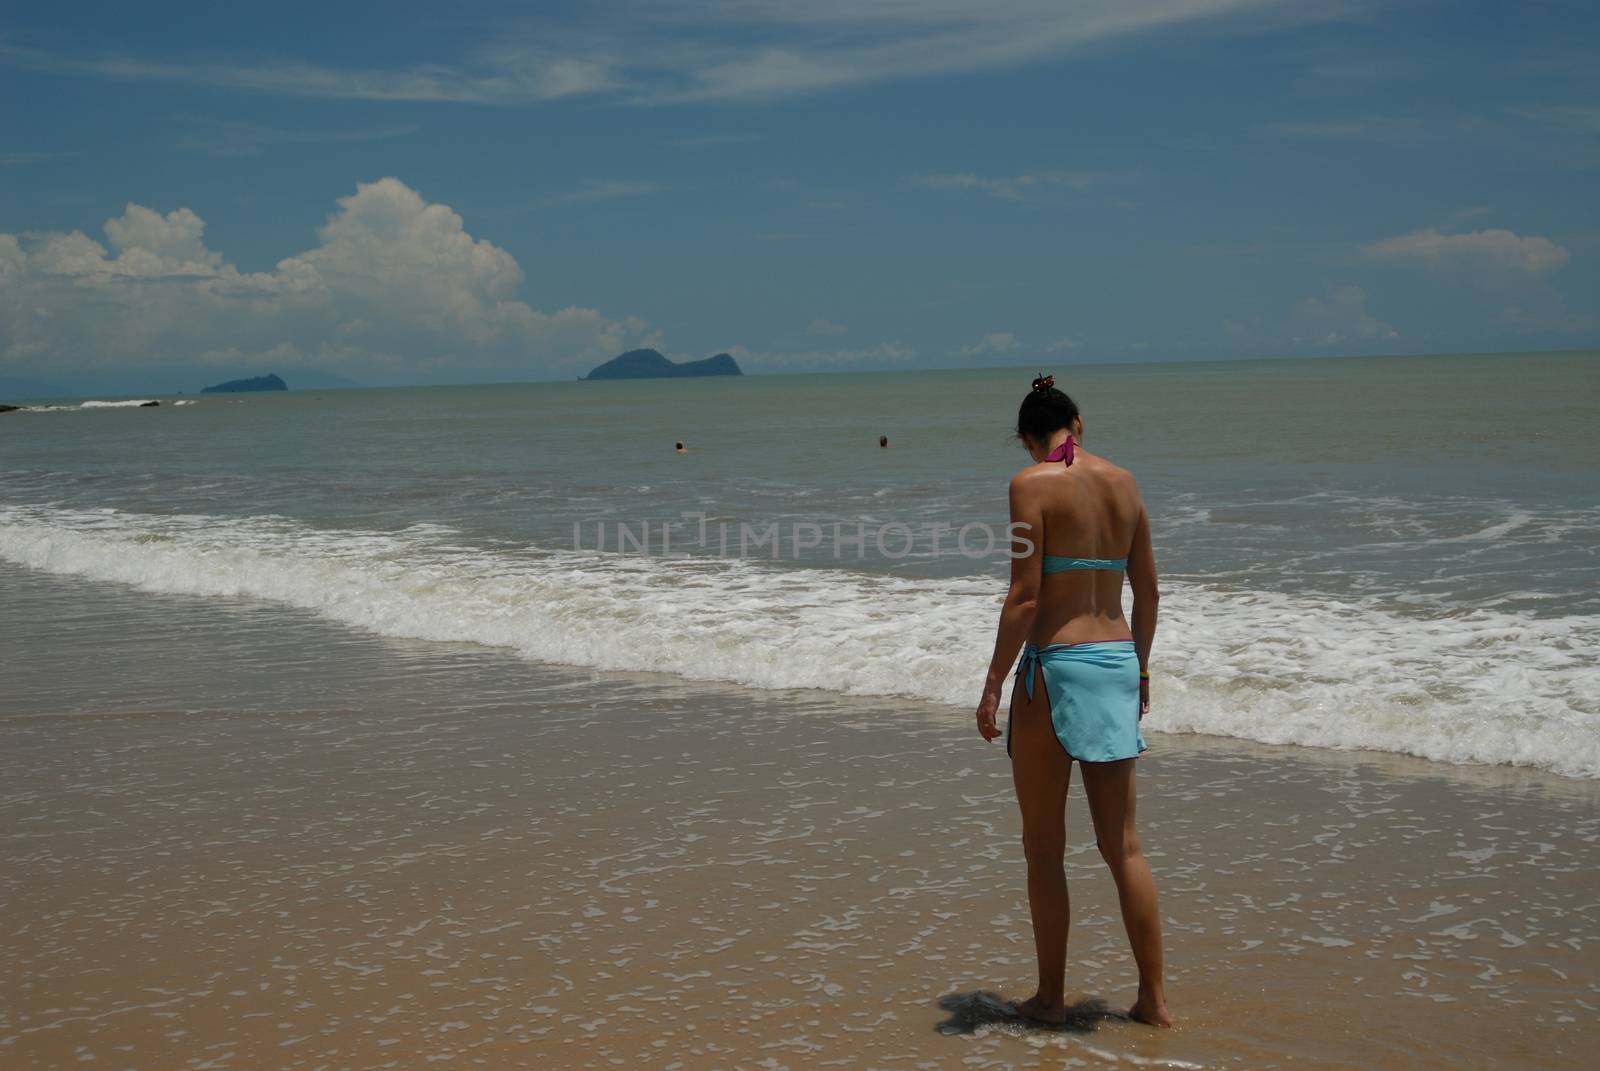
column 1468, row 685
column 130, row 403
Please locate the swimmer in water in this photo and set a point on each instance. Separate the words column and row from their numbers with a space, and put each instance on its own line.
column 883, row 440
column 680, row 448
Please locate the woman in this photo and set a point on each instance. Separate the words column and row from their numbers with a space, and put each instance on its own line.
column 1082, row 684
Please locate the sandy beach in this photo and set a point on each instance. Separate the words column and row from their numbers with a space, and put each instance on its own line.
column 507, row 512
column 358, row 852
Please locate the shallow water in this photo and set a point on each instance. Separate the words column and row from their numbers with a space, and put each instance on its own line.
column 1395, row 554
column 299, row 845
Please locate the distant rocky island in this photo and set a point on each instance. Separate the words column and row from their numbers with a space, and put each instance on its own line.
column 235, row 386
column 649, row 364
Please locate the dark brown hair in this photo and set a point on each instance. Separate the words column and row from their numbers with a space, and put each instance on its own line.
column 1045, row 410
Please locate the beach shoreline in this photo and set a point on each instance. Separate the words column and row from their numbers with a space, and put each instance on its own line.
column 364, row 852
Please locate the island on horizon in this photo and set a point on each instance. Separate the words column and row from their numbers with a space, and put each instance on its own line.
column 650, row 364
column 270, row 381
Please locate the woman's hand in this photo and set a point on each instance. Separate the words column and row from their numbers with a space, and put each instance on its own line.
column 1144, row 697
column 988, row 709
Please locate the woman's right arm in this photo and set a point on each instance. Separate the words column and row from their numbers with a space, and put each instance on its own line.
column 1142, row 579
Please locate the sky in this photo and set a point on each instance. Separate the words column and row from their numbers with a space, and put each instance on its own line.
column 409, row 193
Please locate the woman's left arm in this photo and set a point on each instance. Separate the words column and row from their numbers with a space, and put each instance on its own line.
column 1016, row 615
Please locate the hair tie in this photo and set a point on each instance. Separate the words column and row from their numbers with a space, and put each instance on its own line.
column 1043, row 383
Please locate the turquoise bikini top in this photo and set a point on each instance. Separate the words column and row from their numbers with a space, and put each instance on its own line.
column 1056, row 564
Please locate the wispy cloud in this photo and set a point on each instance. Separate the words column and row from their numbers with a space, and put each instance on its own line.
column 1383, row 130
column 676, row 51
column 1023, row 187
column 492, row 81
column 1002, row 343
column 1580, row 118
column 826, row 327
column 221, row 137
column 1497, row 251
column 829, row 44
column 603, row 190
column 23, row 159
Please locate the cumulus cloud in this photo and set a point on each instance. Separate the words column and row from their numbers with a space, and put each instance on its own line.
column 394, row 282
column 993, row 342
column 1498, row 251
column 1339, row 316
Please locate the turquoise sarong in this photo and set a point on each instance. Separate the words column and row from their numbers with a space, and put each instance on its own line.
column 1093, row 691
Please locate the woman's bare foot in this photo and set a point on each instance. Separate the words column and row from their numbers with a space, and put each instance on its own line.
column 1150, row 1010
column 1038, row 1010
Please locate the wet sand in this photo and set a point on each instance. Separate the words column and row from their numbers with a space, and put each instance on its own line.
column 244, row 838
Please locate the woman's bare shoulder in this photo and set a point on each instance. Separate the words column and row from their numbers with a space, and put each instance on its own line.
column 1028, row 475
column 1110, row 470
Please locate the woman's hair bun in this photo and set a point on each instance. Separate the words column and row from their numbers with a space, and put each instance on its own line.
column 1045, row 409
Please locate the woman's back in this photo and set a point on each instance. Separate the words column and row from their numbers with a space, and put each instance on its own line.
column 1081, row 685
column 1090, row 509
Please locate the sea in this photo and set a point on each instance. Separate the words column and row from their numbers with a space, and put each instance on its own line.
column 1396, row 554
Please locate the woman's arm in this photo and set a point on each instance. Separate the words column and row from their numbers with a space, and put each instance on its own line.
column 1016, row 615
column 1142, row 579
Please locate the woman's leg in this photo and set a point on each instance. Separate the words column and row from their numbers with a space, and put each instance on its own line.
column 1041, row 770
column 1110, row 788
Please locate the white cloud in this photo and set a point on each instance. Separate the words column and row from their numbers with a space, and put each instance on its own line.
column 669, row 51
column 1339, row 316
column 826, row 327
column 394, row 282
column 1013, row 188
column 1000, row 343
column 499, row 77
column 994, row 342
column 1498, row 251
column 827, row 44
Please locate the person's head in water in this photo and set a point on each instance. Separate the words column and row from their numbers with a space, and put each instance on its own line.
column 680, row 448
column 883, row 440
column 1043, row 413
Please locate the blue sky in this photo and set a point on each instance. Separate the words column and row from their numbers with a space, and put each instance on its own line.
column 401, row 193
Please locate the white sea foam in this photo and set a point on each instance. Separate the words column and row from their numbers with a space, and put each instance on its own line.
column 1467, row 686
column 130, row 403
